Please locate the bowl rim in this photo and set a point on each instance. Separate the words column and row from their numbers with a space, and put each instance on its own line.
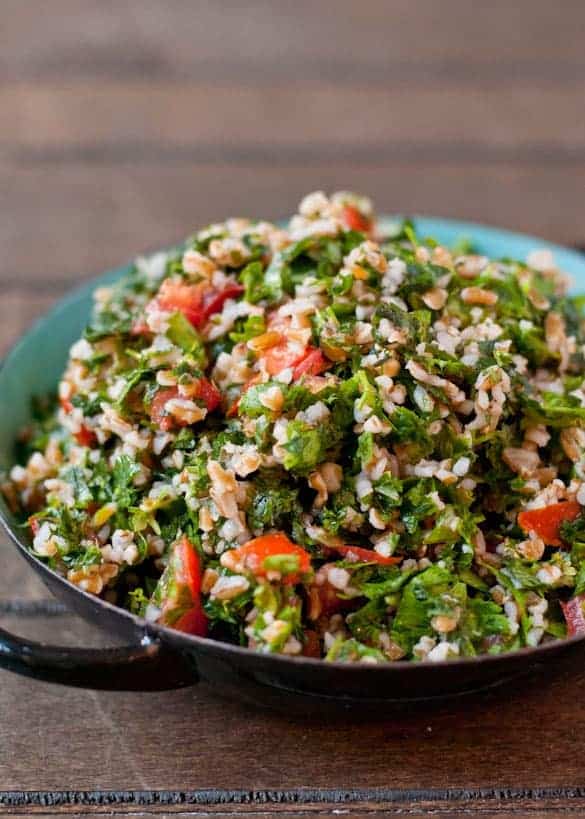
column 168, row 635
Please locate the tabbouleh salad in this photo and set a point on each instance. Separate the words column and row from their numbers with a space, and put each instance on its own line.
column 323, row 440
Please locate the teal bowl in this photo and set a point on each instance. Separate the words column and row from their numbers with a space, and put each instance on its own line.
column 160, row 658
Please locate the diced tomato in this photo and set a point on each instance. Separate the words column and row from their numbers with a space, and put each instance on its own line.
column 312, row 644
column 233, row 409
column 85, row 436
column 282, row 356
column 34, row 525
column 356, row 220
column 361, row 555
column 574, row 615
column 193, row 621
column 314, row 363
column 182, row 608
column 252, row 555
column 158, row 414
column 285, row 353
column 213, row 303
column 66, row 404
column 208, row 393
column 185, row 298
column 197, row 302
column 546, row 522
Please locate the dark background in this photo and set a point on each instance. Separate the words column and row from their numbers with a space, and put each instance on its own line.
column 124, row 124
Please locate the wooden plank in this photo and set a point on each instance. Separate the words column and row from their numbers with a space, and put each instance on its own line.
column 61, row 223
column 424, row 41
column 125, row 126
column 403, row 807
column 41, row 118
column 189, row 740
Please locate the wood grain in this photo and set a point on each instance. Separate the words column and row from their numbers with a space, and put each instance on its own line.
column 191, row 741
column 265, row 804
column 65, row 221
column 321, row 116
column 125, row 125
column 258, row 40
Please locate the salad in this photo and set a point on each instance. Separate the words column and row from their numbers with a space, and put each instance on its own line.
column 328, row 440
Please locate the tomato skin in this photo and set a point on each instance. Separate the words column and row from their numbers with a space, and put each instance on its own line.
column 253, row 554
column 214, row 303
column 185, row 565
column 158, row 415
column 574, row 615
column 356, row 220
column 359, row 554
column 281, row 357
column 197, row 302
column 193, row 621
column 66, row 405
column 309, row 361
column 313, row 363
column 546, row 522
column 208, row 393
column 185, row 298
column 85, row 436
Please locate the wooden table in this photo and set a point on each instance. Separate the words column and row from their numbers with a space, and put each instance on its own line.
column 125, row 125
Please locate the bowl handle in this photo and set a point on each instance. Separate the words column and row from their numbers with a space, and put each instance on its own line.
column 146, row 666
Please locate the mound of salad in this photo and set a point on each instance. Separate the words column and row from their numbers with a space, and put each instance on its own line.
column 327, row 440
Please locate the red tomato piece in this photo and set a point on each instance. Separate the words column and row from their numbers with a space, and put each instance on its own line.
column 361, row 555
column 546, row 522
column 574, row 615
column 159, row 416
column 356, row 220
column 216, row 299
column 282, row 356
column 193, row 621
column 208, row 393
column 34, row 525
column 85, row 436
column 314, row 363
column 253, row 554
column 66, row 404
column 185, row 566
column 184, row 298
column 233, row 409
